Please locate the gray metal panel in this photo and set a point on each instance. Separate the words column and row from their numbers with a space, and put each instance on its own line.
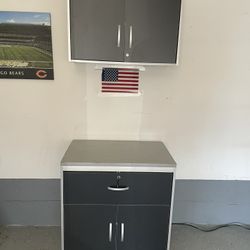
column 155, row 25
column 212, row 202
column 94, row 29
column 30, row 202
column 81, row 152
column 30, row 189
column 32, row 212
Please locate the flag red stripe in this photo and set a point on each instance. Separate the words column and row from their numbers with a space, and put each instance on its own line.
column 120, row 88
column 129, row 77
column 123, row 87
column 120, row 81
column 121, row 84
column 127, row 80
column 110, row 91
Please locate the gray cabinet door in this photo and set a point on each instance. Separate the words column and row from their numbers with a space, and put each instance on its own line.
column 96, row 27
column 143, row 227
column 89, row 227
column 152, row 28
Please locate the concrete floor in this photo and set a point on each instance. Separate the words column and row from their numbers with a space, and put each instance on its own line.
column 183, row 238
column 230, row 238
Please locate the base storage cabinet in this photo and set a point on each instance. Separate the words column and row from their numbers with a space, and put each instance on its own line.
column 118, row 203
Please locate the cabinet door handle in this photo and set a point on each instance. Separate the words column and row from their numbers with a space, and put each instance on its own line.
column 118, row 189
column 122, row 232
column 110, row 232
column 130, row 36
column 119, row 36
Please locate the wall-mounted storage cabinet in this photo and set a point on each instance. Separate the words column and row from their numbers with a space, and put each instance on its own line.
column 135, row 31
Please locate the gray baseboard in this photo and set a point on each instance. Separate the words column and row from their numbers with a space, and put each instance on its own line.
column 30, row 202
column 37, row 202
column 212, row 202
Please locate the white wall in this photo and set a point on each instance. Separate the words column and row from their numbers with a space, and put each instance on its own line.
column 199, row 109
column 39, row 118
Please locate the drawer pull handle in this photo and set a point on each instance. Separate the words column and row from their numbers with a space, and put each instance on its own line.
column 110, row 232
column 119, row 36
column 130, row 36
column 118, row 189
column 122, row 232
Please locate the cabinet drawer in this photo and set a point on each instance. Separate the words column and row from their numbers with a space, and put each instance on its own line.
column 101, row 188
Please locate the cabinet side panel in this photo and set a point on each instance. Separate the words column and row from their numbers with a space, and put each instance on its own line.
column 171, row 210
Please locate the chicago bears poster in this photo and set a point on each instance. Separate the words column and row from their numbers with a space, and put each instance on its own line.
column 26, row 45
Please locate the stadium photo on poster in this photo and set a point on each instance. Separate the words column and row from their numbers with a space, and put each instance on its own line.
column 26, row 45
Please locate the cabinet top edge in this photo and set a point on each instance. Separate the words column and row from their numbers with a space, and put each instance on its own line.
column 117, row 153
column 124, row 63
column 98, row 168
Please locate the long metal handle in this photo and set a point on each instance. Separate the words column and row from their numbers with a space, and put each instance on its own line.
column 122, row 232
column 110, row 232
column 130, row 36
column 118, row 189
column 119, row 36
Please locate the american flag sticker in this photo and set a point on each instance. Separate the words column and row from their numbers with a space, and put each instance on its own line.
column 119, row 80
